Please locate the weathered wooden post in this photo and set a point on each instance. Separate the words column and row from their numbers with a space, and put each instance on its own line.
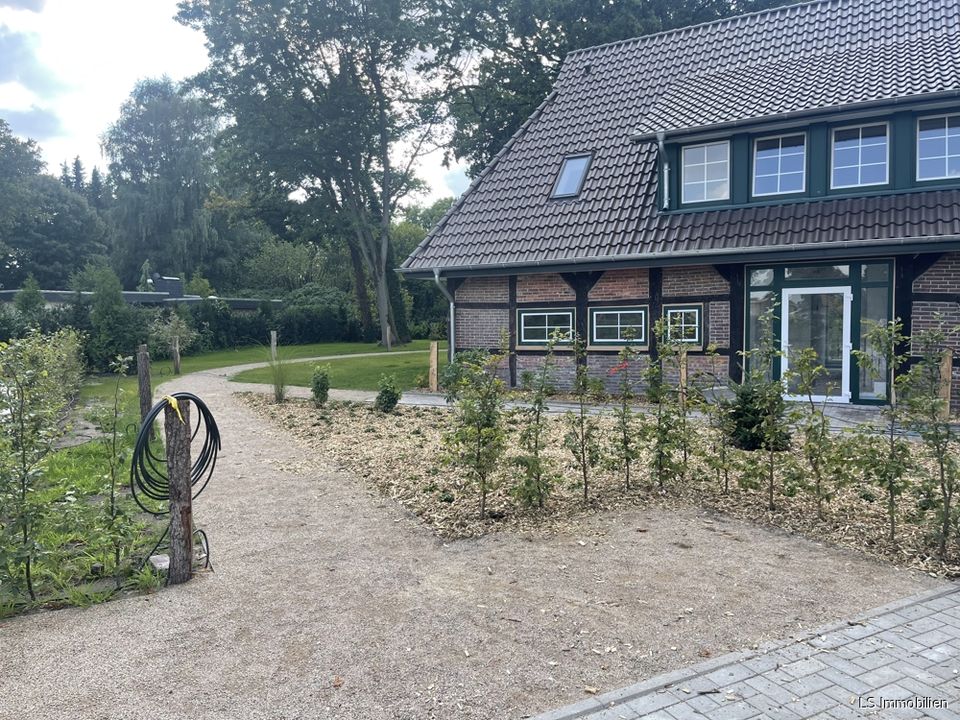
column 177, row 429
column 946, row 381
column 143, row 381
column 434, row 366
column 683, row 380
column 175, row 351
column 273, row 346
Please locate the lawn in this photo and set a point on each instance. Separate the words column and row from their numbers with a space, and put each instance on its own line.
column 354, row 373
column 99, row 387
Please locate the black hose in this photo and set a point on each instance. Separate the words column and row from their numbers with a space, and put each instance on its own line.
column 148, row 475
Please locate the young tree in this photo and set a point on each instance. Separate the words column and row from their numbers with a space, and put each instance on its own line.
column 625, row 449
column 928, row 414
column 538, row 477
column 478, row 438
column 78, row 176
column 883, row 358
column 41, row 375
column 582, row 437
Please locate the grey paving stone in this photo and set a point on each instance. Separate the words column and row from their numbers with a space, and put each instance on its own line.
column 802, row 668
column 879, row 677
column 848, row 683
column 874, row 660
column 807, row 686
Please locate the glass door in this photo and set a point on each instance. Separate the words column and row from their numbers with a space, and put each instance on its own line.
column 819, row 318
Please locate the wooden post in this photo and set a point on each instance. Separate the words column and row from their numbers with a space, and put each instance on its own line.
column 143, row 381
column 273, row 346
column 181, row 501
column 683, row 380
column 434, row 366
column 946, row 381
column 175, row 351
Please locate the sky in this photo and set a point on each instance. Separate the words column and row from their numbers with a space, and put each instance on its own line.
column 66, row 66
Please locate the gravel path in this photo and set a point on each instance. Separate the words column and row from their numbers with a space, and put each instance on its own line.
column 329, row 601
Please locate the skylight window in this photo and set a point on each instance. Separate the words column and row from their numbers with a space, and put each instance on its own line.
column 572, row 173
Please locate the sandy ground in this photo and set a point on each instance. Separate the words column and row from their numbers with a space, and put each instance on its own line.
column 329, row 601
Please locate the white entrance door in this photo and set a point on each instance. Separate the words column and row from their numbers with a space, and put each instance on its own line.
column 819, row 318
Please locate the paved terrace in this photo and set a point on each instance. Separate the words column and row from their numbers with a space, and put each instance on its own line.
column 898, row 661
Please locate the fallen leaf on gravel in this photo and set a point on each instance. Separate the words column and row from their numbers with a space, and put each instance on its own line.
column 337, row 681
column 590, row 690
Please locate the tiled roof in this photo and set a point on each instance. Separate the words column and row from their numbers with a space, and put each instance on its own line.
column 606, row 93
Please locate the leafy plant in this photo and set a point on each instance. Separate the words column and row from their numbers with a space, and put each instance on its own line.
column 660, row 430
column 477, row 440
column 886, row 467
column 537, row 477
column 41, row 375
column 625, row 449
column 927, row 413
column 389, row 394
column 582, row 436
column 320, row 384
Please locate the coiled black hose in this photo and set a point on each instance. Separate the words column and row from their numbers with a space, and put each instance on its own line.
column 148, row 474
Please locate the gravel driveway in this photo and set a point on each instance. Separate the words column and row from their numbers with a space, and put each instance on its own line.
column 329, row 601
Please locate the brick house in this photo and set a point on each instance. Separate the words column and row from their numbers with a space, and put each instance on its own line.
column 805, row 158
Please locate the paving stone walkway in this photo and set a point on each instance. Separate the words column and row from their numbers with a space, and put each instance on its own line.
column 898, row 661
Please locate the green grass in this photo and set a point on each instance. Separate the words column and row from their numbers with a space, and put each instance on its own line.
column 352, row 373
column 100, row 387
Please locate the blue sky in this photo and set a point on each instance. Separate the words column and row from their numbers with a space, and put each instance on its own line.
column 66, row 66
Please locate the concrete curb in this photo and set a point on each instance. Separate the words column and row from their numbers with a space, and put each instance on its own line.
column 661, row 682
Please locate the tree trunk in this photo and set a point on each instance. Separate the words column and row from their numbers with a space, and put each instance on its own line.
column 143, row 381
column 175, row 351
column 360, row 291
column 181, row 510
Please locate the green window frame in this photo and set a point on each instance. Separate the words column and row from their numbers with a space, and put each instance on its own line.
column 860, row 153
column 951, row 131
column 774, row 278
column 780, row 162
column 619, row 319
column 535, row 326
column 688, row 319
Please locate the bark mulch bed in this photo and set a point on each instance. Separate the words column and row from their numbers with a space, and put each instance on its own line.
column 403, row 456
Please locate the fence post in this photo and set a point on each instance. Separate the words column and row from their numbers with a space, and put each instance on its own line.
column 434, row 365
column 946, row 381
column 143, row 381
column 273, row 346
column 175, row 351
column 181, row 500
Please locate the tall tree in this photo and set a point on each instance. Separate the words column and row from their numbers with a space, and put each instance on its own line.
column 160, row 152
column 95, row 191
column 54, row 232
column 78, row 175
column 324, row 100
column 66, row 177
column 521, row 44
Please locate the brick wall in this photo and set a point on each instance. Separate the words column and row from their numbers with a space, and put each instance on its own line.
column 600, row 366
column 484, row 290
column 718, row 320
column 696, row 280
column 622, row 285
column 704, row 370
column 543, row 288
column 480, row 328
column 925, row 318
column 942, row 277
column 564, row 368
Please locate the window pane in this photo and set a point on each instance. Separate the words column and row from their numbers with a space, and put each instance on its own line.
column 559, row 320
column 930, row 169
column 874, row 304
column 760, row 302
column 874, row 133
column 763, row 276
column 953, row 166
column 766, row 185
column 705, row 172
column 818, row 272
column 767, row 165
column 791, row 182
column 779, row 165
column 631, row 318
column 791, row 163
column 848, row 136
column 571, row 176
column 938, row 148
column 535, row 333
column 606, row 333
column 605, row 319
column 873, row 174
column 932, row 126
column 932, row 147
column 845, row 177
column 873, row 154
column 846, row 157
column 875, row 272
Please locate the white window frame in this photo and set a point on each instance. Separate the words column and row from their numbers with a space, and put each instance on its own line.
column 917, row 148
column 523, row 313
column 683, row 173
column 583, row 176
column 619, row 340
column 753, row 174
column 833, row 145
column 668, row 310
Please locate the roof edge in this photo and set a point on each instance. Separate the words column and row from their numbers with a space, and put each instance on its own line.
column 521, row 131
column 881, row 246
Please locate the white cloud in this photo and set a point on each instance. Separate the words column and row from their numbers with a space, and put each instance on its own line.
column 93, row 53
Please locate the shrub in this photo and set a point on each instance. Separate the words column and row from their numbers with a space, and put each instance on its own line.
column 465, row 364
column 537, row 476
column 389, row 394
column 318, row 314
column 582, row 436
column 753, row 402
column 320, row 384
